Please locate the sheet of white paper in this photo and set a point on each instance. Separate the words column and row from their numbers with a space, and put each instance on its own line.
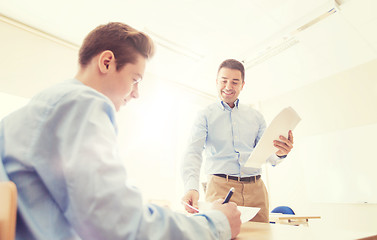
column 286, row 120
column 247, row 213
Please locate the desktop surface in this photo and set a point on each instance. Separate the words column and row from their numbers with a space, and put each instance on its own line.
column 266, row 231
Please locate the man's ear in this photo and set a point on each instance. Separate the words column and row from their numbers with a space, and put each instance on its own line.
column 106, row 61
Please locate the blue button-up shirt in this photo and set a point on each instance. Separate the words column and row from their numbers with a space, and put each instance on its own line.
column 60, row 151
column 227, row 136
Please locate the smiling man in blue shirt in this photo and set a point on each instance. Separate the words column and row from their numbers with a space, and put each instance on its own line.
column 228, row 131
column 61, row 152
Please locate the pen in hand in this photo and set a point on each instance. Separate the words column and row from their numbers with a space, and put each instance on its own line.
column 188, row 205
column 229, row 195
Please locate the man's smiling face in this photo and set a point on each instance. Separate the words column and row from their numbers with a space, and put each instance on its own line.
column 229, row 85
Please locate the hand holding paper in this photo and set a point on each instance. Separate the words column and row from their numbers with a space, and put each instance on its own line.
column 286, row 120
column 284, row 144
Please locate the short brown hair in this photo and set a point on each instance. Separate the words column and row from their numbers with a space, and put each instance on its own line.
column 233, row 64
column 123, row 40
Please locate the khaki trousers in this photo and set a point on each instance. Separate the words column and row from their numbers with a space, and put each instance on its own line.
column 249, row 194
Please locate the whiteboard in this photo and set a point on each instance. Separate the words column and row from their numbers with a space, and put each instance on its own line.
column 341, row 167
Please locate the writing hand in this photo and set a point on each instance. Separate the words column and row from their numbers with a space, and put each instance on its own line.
column 191, row 198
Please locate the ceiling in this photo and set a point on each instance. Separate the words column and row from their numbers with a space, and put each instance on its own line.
column 285, row 44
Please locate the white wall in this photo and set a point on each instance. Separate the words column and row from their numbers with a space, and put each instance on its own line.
column 31, row 61
column 153, row 135
column 342, row 102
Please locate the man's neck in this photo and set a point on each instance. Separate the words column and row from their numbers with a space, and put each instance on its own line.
column 231, row 105
column 86, row 76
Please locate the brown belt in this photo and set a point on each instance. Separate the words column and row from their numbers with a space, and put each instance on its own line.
column 239, row 179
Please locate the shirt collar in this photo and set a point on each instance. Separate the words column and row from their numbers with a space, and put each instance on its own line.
column 224, row 105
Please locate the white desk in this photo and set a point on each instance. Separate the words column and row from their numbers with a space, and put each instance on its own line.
column 266, row 231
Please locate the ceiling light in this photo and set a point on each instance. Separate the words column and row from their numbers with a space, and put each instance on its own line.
column 286, row 42
column 270, row 52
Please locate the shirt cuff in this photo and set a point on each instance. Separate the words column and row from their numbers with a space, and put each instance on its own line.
column 275, row 160
column 220, row 223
